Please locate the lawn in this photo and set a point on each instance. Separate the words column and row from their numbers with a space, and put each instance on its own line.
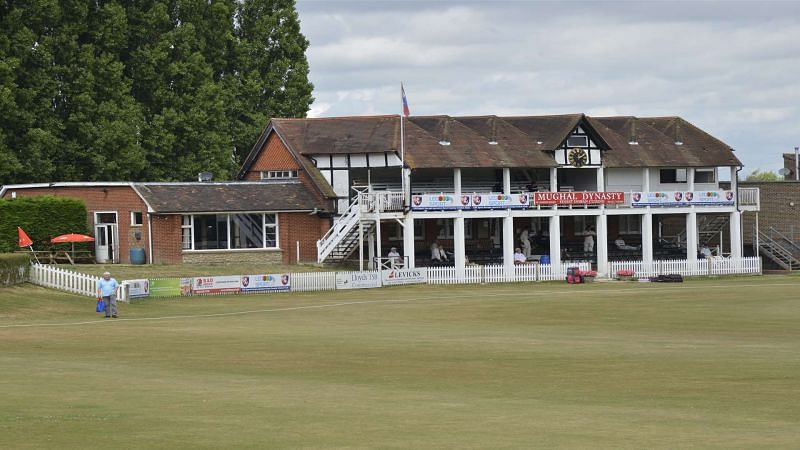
column 703, row 364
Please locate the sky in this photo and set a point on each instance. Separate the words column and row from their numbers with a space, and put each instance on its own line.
column 730, row 68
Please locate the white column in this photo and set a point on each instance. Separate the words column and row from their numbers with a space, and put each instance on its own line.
column 602, row 244
column 691, row 236
column 407, row 187
column 555, row 241
column 508, row 245
column 647, row 240
column 360, row 246
column 408, row 240
column 735, row 186
column 646, row 179
column 553, row 179
column 601, row 180
column 378, row 232
column 690, row 179
column 459, row 247
column 371, row 249
column 506, row 180
column 457, row 183
column 736, row 234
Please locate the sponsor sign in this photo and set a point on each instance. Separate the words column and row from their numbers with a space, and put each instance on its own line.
column 404, row 276
column 500, row 201
column 138, row 288
column 439, row 202
column 358, row 280
column 167, row 287
column 682, row 198
column 265, row 283
column 216, row 285
column 578, row 198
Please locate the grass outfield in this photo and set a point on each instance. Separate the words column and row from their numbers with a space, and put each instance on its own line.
column 703, row 364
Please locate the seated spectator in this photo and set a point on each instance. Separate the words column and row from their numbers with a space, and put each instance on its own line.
column 437, row 253
column 705, row 252
column 393, row 255
column 620, row 243
column 519, row 257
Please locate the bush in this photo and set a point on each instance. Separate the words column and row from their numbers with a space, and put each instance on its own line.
column 13, row 268
column 42, row 217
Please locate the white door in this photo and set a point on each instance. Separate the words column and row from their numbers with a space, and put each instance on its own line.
column 105, row 244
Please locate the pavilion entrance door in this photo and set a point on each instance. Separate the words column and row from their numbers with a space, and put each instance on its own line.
column 106, row 243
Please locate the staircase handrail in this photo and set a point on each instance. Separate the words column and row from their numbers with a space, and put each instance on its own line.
column 339, row 228
column 784, row 237
column 775, row 247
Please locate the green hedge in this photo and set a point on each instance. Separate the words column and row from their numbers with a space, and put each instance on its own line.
column 42, row 218
column 14, row 268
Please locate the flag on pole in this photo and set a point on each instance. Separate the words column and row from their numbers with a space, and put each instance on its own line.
column 406, row 111
column 24, row 240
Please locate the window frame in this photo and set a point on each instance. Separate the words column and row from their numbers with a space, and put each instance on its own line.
column 628, row 229
column 675, row 171
column 187, row 228
column 279, row 175
column 133, row 219
column 713, row 173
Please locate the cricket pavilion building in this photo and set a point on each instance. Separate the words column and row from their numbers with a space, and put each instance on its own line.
column 476, row 185
column 351, row 188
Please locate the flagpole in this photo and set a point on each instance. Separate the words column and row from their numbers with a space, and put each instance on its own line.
column 402, row 147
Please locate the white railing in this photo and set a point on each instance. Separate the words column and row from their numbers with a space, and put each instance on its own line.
column 749, row 196
column 83, row 284
column 689, row 268
column 338, row 231
column 63, row 280
column 496, row 273
column 381, row 201
column 313, row 281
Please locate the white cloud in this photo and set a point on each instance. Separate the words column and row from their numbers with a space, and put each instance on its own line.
column 731, row 68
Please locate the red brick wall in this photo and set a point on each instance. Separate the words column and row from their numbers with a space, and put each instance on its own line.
column 307, row 229
column 121, row 199
column 167, row 239
column 780, row 209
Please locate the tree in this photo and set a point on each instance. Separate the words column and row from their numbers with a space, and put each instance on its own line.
column 143, row 90
column 758, row 175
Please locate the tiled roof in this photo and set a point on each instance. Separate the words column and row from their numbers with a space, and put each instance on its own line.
column 227, row 197
column 525, row 141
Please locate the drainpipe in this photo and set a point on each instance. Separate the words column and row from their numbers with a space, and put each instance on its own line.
column 150, row 237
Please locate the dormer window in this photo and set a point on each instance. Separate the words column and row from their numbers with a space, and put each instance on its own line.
column 278, row 175
column 578, row 141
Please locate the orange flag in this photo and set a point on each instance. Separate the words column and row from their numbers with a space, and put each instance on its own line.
column 24, row 240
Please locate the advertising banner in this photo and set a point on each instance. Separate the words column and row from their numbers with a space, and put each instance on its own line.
column 578, row 198
column 138, row 288
column 404, row 276
column 500, row 201
column 216, row 285
column 166, row 287
column 265, row 283
column 682, row 198
column 439, row 202
column 358, row 280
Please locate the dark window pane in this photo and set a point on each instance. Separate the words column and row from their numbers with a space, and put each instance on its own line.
column 246, row 231
column 210, row 232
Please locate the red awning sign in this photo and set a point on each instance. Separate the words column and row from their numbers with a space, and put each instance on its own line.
column 578, row 198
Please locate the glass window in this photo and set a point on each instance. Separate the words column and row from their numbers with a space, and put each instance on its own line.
column 578, row 141
column 630, row 224
column 210, row 232
column 705, row 176
column 246, row 231
column 136, row 218
column 278, row 174
column 186, row 233
column 271, row 230
column 673, row 175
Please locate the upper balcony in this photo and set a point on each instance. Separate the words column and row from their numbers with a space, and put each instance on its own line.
column 431, row 200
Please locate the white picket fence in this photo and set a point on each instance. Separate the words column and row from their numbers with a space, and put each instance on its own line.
column 496, row 273
column 688, row 268
column 82, row 284
column 313, row 281
column 63, row 280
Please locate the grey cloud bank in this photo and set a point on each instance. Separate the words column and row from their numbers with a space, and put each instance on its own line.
column 731, row 68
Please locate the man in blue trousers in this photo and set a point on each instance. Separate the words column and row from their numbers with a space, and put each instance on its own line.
column 107, row 291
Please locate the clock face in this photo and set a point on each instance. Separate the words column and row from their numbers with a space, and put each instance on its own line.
column 577, row 157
